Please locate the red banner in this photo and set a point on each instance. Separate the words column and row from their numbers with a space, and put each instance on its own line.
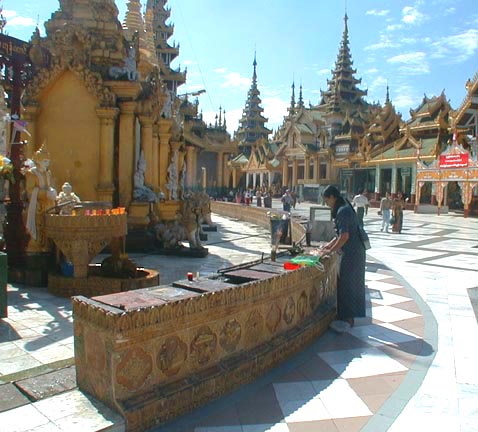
column 454, row 160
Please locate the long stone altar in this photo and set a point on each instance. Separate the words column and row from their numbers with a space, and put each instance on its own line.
column 155, row 353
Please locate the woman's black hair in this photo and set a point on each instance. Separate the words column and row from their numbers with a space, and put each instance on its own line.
column 339, row 200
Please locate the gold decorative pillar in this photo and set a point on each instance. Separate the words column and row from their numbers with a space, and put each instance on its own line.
column 227, row 171
column 307, row 168
column 147, row 146
column 164, row 133
column 220, row 168
column 126, row 157
column 316, row 168
column 155, row 161
column 295, row 164
column 234, row 178
column 190, row 166
column 105, row 186
column 29, row 114
column 285, row 172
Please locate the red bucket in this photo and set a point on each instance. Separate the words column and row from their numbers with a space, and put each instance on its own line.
column 291, row 266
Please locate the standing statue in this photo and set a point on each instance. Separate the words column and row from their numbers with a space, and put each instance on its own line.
column 42, row 198
column 183, row 180
column 172, row 185
column 141, row 192
column 67, row 199
column 167, row 109
column 130, row 67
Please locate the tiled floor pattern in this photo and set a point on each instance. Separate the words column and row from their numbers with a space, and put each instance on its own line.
column 337, row 384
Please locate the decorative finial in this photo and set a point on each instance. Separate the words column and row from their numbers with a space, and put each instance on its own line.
column 3, row 20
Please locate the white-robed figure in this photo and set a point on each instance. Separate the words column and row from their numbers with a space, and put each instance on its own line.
column 42, row 197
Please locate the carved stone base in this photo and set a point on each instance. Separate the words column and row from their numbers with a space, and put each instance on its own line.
column 168, row 210
column 138, row 214
column 94, row 285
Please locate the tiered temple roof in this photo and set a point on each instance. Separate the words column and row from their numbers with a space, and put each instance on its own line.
column 252, row 124
column 166, row 53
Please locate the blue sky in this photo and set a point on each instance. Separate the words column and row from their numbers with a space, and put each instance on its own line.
column 416, row 46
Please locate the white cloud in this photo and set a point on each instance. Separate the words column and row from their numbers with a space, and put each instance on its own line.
column 220, row 70
column 414, row 63
column 232, row 119
column 393, row 27
column 458, row 47
column 372, row 70
column 404, row 98
column 235, row 80
column 412, row 16
column 384, row 42
column 14, row 20
column 450, row 10
column 375, row 12
column 323, row 72
column 274, row 109
column 189, row 62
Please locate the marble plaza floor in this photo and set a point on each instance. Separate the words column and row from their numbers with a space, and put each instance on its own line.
column 409, row 365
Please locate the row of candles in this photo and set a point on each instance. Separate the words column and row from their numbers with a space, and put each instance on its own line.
column 102, row 212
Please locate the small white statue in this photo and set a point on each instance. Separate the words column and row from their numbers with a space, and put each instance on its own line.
column 172, row 185
column 183, row 180
column 167, row 109
column 67, row 199
column 41, row 199
column 129, row 69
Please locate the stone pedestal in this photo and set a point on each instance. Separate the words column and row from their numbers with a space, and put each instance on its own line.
column 138, row 214
column 168, row 210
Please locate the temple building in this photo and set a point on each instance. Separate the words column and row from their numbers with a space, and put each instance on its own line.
column 319, row 145
column 392, row 146
column 252, row 123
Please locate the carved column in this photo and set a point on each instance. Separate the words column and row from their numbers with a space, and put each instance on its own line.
column 164, row 137
column 295, row 164
column 105, row 174
column 394, row 181
column 220, row 169
column 316, row 169
column 377, row 182
column 307, row 168
column 234, row 178
column 147, row 146
column 227, row 171
column 126, row 152
column 285, row 172
column 190, row 166
column 155, row 159
column 413, row 183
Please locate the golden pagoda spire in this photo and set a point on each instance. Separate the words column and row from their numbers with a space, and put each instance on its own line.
column 149, row 36
column 133, row 21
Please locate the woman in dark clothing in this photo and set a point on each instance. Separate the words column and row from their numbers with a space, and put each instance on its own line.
column 351, row 279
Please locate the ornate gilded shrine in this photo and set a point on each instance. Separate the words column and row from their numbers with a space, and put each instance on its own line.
column 455, row 164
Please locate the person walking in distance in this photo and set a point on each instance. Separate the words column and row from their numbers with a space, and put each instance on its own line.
column 385, row 208
column 287, row 201
column 360, row 202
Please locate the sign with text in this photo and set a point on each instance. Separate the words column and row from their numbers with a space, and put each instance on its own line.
column 454, row 160
column 13, row 47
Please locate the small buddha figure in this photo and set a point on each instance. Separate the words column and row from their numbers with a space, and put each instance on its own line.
column 67, row 199
column 42, row 197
